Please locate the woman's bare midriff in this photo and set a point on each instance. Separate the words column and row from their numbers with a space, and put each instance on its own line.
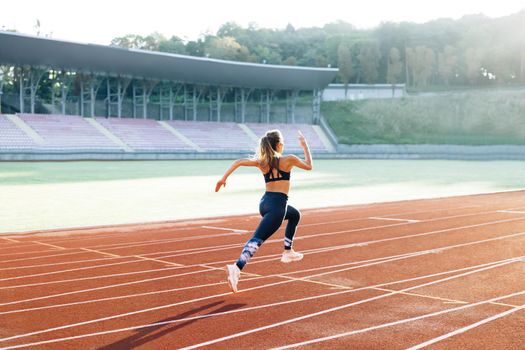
column 278, row 186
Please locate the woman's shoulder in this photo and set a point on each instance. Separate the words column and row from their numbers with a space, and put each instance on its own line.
column 288, row 161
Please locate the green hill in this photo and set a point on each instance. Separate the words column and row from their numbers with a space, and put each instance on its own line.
column 487, row 117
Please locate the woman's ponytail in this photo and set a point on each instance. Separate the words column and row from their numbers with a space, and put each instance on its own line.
column 267, row 150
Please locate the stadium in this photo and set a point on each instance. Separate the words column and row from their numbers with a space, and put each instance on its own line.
column 177, row 105
column 406, row 212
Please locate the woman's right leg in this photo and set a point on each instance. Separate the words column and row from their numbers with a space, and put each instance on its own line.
column 270, row 223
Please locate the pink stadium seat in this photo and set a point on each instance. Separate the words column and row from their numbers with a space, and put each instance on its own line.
column 65, row 132
column 144, row 134
column 12, row 138
column 215, row 136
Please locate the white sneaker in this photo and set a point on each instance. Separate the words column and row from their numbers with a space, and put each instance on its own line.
column 233, row 276
column 291, row 255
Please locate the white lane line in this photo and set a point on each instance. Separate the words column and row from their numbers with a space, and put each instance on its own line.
column 50, row 245
column 508, row 261
column 102, row 253
column 250, row 279
column 345, row 306
column 123, row 246
column 98, row 277
column 511, row 211
column 11, row 240
column 136, row 244
column 225, row 229
column 158, row 260
column 211, row 248
column 104, row 287
column 116, row 246
column 406, row 320
column 313, row 212
column 394, row 219
column 238, row 245
column 467, row 328
column 379, row 260
column 40, row 257
column 238, row 310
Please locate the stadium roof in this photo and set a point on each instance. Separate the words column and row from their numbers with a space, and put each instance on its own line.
column 23, row 50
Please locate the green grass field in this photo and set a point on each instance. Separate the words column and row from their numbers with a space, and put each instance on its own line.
column 47, row 195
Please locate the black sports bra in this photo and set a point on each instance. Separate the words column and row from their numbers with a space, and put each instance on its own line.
column 283, row 175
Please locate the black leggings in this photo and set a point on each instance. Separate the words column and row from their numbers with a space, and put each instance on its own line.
column 274, row 209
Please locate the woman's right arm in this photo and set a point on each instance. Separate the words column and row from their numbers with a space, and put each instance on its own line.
column 308, row 163
column 232, row 168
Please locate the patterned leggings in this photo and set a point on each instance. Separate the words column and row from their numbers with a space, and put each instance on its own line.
column 274, row 209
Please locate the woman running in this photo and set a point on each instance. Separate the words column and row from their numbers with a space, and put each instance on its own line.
column 273, row 207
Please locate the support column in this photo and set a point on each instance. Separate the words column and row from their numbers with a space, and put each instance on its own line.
column 194, row 103
column 116, row 90
column 316, row 106
column 88, row 94
column 291, row 101
column 141, row 94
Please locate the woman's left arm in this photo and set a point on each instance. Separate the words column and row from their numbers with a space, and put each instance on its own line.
column 232, row 168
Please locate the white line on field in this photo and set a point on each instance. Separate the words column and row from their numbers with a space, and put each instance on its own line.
column 225, row 229
column 467, row 328
column 511, row 211
column 393, row 219
column 345, row 306
column 11, row 240
column 509, row 261
column 50, row 245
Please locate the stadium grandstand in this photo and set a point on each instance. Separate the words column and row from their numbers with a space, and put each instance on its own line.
column 63, row 100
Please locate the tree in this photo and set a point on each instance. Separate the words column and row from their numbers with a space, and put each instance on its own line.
column 473, row 65
column 344, row 59
column 423, row 65
column 447, row 64
column 227, row 48
column 410, row 62
column 395, row 68
column 173, row 45
column 369, row 57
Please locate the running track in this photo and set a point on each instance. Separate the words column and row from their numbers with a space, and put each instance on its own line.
column 437, row 274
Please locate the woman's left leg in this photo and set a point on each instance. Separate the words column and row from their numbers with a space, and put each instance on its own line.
column 293, row 216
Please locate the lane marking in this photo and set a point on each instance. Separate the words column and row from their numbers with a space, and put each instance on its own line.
column 337, row 308
column 158, row 260
column 508, row 261
column 280, row 303
column 11, row 240
column 99, row 252
column 225, row 229
column 406, row 320
column 102, row 287
column 120, row 246
column 505, row 262
column 260, row 261
column 511, row 211
column 87, row 279
column 394, row 219
column 445, row 300
column 50, row 245
column 467, row 328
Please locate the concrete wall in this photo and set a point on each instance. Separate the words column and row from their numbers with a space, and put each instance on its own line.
column 336, row 92
column 499, row 152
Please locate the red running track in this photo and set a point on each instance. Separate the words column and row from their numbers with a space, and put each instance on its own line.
column 437, row 274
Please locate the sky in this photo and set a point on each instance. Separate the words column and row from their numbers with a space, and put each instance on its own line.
column 99, row 21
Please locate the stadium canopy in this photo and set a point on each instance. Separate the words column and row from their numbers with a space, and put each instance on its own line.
column 24, row 50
